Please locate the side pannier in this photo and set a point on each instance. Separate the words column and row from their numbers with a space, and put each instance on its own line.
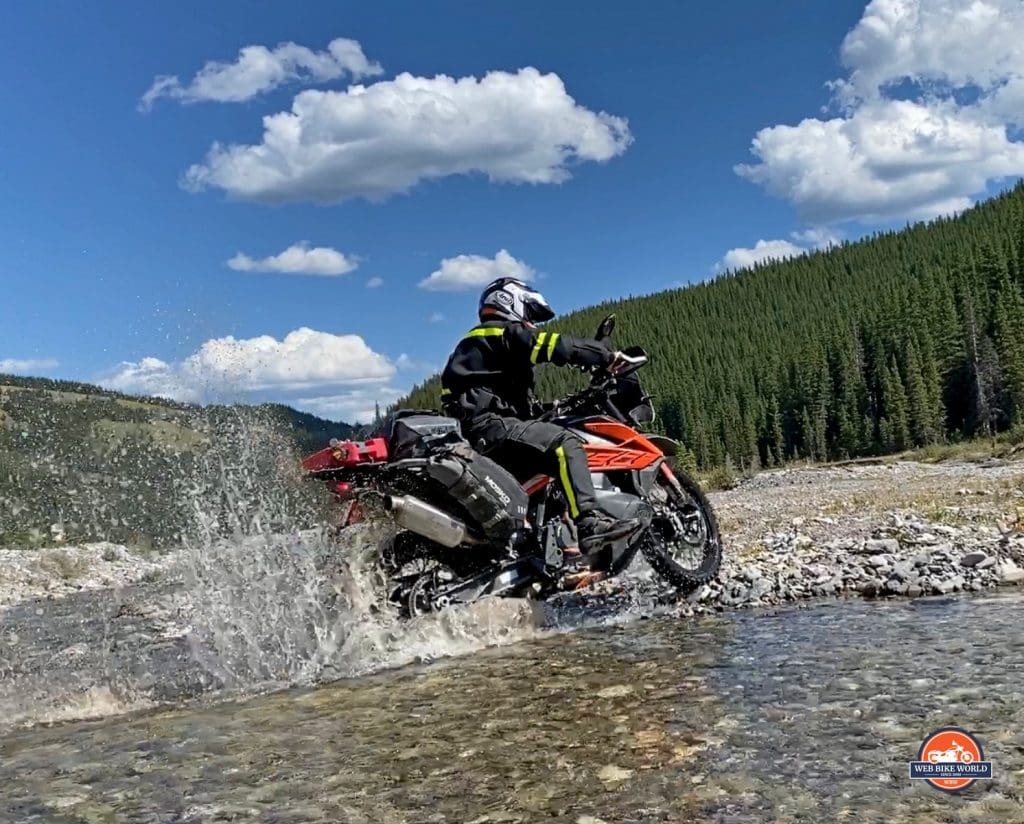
column 490, row 494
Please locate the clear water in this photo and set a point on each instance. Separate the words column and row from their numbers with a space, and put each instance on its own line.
column 801, row 715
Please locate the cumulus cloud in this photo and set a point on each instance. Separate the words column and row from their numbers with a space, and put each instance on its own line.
column 258, row 69
column 766, row 250
column 938, row 44
column 818, row 237
column 374, row 283
column 374, row 141
column 152, row 376
column 927, row 118
column 304, row 359
column 410, row 364
column 298, row 259
column 762, row 251
column 25, row 366
column 357, row 406
column 464, row 272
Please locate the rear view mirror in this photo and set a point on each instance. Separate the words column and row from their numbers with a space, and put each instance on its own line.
column 644, row 413
column 606, row 328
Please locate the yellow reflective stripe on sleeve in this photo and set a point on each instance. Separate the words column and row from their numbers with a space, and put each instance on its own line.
column 445, row 392
column 486, row 332
column 563, row 474
column 536, row 349
column 551, row 344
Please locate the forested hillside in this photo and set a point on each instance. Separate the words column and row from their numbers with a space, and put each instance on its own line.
column 78, row 462
column 904, row 339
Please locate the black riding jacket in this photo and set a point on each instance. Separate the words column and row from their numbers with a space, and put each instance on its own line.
column 491, row 369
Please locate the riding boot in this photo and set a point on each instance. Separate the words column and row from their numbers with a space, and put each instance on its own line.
column 597, row 529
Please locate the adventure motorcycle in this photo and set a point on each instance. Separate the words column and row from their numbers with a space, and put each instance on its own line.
column 469, row 529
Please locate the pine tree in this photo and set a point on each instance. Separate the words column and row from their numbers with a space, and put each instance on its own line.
column 1009, row 327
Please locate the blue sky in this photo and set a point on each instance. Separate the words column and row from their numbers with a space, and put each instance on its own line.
column 115, row 265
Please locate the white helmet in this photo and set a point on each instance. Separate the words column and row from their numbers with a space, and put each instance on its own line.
column 511, row 299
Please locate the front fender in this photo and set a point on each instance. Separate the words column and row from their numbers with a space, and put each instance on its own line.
column 666, row 445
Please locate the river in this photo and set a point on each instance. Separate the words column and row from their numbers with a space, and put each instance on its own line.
column 792, row 715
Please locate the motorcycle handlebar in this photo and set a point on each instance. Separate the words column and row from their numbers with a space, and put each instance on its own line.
column 600, row 382
column 626, row 364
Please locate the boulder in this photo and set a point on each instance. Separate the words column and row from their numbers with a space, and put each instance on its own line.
column 949, row 585
column 880, row 546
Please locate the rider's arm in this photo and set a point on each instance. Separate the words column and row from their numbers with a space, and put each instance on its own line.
column 544, row 346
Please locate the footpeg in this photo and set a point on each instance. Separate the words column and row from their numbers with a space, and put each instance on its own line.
column 582, row 580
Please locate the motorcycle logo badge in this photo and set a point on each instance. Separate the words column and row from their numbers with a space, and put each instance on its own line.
column 951, row 760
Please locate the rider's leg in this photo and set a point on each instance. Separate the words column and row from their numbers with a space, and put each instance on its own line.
column 527, row 448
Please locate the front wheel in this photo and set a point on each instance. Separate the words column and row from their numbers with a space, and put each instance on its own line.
column 683, row 546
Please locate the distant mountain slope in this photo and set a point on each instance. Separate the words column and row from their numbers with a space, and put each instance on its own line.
column 898, row 340
column 84, row 463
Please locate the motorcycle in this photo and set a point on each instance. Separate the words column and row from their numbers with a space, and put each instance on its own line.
column 467, row 529
column 957, row 752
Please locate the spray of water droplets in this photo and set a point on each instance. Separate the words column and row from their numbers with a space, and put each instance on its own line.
column 278, row 598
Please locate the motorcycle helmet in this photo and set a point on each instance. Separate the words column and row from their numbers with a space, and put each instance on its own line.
column 511, row 299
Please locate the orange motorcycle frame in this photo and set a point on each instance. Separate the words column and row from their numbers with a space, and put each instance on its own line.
column 627, row 450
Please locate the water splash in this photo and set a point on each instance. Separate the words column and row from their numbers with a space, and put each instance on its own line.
column 278, row 600
column 264, row 594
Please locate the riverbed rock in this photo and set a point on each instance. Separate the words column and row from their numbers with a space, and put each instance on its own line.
column 944, row 587
column 615, row 691
column 759, row 589
column 879, row 546
column 612, row 774
column 972, row 559
column 869, row 589
column 1010, row 573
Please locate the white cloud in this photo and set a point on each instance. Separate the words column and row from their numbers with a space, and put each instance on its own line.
column 152, row 376
column 374, row 283
column 302, row 360
column 765, row 250
column 409, row 364
column 933, row 91
column 258, row 69
column 23, row 366
column 762, row 251
column 472, row 271
column 374, row 141
column 939, row 44
column 436, row 317
column 356, row 406
column 297, row 259
column 818, row 237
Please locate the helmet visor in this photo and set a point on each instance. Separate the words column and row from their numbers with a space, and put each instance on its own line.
column 537, row 310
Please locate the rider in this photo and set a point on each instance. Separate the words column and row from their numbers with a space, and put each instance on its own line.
column 488, row 385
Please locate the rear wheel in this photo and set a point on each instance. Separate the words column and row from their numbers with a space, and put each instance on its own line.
column 683, row 544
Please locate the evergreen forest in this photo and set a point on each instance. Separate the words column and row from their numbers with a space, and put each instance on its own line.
column 903, row 339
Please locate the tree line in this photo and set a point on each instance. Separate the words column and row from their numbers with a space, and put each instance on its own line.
column 903, row 339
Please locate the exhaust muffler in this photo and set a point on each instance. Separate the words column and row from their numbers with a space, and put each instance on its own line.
column 426, row 520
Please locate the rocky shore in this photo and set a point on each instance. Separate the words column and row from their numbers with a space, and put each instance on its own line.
column 58, row 571
column 897, row 529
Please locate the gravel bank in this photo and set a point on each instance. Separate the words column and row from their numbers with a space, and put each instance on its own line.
column 55, row 572
column 870, row 530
